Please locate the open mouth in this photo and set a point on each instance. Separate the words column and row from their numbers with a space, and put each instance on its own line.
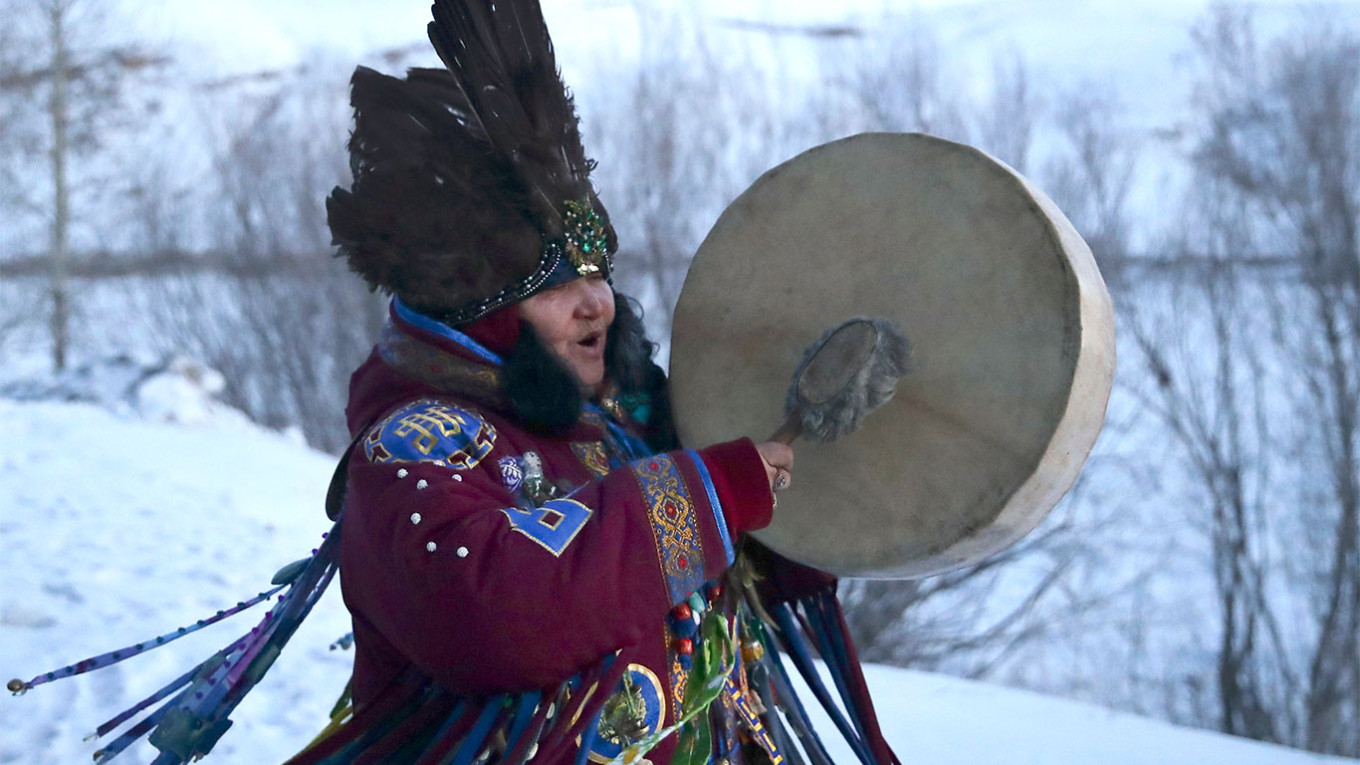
column 593, row 340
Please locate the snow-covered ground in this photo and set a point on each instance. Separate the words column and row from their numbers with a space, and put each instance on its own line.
column 117, row 528
column 129, row 514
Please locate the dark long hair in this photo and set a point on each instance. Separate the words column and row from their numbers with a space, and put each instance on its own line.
column 545, row 396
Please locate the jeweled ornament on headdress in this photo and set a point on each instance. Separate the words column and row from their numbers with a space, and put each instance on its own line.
column 587, row 240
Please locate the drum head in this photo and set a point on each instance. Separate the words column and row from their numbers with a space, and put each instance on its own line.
column 1013, row 349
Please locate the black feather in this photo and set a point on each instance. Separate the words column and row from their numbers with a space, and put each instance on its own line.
column 430, row 215
column 461, row 177
column 501, row 55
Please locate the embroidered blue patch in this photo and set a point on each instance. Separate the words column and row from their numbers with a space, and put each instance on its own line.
column 553, row 526
column 642, row 685
column 433, row 432
column 675, row 525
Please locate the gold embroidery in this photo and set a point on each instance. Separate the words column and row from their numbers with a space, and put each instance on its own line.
column 679, row 682
column 678, row 544
column 431, row 431
column 592, row 455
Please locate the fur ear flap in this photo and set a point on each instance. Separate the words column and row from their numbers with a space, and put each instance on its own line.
column 542, row 391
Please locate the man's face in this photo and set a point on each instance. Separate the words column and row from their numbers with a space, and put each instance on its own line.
column 572, row 320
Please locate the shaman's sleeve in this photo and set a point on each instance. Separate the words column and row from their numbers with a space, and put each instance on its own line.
column 486, row 593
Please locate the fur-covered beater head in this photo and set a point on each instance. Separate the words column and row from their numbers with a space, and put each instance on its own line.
column 471, row 188
column 850, row 371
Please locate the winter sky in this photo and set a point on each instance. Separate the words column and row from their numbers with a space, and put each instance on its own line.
column 1135, row 47
column 1089, row 39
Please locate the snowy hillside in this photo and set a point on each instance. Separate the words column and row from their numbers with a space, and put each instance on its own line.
column 118, row 528
column 120, row 525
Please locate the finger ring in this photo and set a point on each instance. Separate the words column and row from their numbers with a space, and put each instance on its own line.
column 781, row 481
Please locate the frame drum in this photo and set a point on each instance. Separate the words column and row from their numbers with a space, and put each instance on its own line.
column 1013, row 349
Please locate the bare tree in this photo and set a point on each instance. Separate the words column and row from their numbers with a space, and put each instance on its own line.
column 687, row 131
column 12, row 66
column 1006, row 124
column 12, row 317
column 1209, row 391
column 897, row 80
column 1282, row 130
column 656, row 149
column 58, row 13
column 1262, row 393
column 66, row 106
column 956, row 622
column 901, row 83
column 1091, row 175
column 269, row 306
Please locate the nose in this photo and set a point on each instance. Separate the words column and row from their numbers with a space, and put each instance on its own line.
column 594, row 298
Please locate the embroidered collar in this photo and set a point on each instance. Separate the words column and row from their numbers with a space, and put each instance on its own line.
column 435, row 327
column 440, row 369
column 478, row 379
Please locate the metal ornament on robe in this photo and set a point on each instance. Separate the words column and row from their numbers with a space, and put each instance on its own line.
column 1012, row 334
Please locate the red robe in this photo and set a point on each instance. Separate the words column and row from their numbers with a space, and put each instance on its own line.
column 450, row 566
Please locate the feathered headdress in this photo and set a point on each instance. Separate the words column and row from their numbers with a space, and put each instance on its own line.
column 471, row 188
